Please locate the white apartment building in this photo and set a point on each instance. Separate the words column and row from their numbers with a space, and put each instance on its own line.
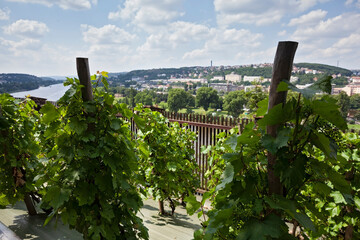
column 355, row 80
column 294, row 79
column 349, row 89
column 220, row 78
column 185, row 80
column 232, row 77
column 252, row 78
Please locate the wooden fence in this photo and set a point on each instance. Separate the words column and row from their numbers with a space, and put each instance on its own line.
column 207, row 129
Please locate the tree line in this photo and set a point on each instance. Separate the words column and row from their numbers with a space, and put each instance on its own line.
column 235, row 102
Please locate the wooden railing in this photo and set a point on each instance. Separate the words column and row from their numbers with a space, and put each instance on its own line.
column 207, row 129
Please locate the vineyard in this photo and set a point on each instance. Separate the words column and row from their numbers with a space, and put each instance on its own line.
column 292, row 174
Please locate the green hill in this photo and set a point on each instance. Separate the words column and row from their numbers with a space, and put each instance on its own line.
column 327, row 69
column 15, row 82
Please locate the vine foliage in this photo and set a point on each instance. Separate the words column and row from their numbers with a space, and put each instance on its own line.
column 19, row 148
column 167, row 163
column 89, row 173
column 317, row 166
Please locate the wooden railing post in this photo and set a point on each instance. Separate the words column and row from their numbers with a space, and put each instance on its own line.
column 281, row 71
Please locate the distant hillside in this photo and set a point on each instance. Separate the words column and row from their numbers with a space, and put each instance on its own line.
column 47, row 79
column 15, row 82
column 159, row 73
column 327, row 69
column 115, row 74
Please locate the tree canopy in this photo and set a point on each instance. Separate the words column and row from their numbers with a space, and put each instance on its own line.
column 234, row 102
column 355, row 101
column 205, row 96
column 178, row 99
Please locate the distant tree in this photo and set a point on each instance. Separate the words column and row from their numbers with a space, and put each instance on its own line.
column 130, row 94
column 190, row 100
column 205, row 96
column 234, row 102
column 144, row 97
column 218, row 104
column 357, row 116
column 177, row 99
column 339, row 81
column 343, row 101
column 253, row 97
column 355, row 101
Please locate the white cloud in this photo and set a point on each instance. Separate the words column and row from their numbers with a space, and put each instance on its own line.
column 27, row 28
column 225, row 44
column 4, row 14
column 148, row 14
column 32, row 56
column 346, row 50
column 330, row 40
column 258, row 12
column 108, row 34
column 335, row 28
column 177, row 36
column 20, row 47
column 108, row 39
column 64, row 4
column 282, row 33
column 311, row 18
column 350, row 3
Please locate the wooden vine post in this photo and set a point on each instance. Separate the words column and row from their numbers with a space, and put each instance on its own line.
column 83, row 70
column 281, row 71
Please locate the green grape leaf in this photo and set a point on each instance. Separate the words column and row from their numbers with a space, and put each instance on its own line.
column 262, row 107
column 322, row 189
column 283, row 86
column 50, row 113
column 272, row 227
column 116, row 124
column 107, row 212
column 227, row 176
column 324, row 144
column 328, row 110
column 171, row 166
column 338, row 181
column 77, row 125
column 305, row 221
column 273, row 144
column 231, row 141
column 278, row 114
column 357, row 202
column 57, row 196
column 338, row 197
column 192, row 205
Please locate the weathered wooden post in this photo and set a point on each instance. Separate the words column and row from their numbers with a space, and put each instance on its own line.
column 29, row 204
column 82, row 66
column 281, row 71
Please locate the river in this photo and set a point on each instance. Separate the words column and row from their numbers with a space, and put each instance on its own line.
column 51, row 93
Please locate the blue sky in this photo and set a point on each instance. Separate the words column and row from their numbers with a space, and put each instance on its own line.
column 44, row 37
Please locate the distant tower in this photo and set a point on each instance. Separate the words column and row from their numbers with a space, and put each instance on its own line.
column 210, row 63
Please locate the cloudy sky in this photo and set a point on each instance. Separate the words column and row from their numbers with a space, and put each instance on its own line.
column 43, row 37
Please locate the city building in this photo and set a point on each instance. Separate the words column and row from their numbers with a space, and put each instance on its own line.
column 219, row 78
column 224, row 87
column 349, row 89
column 252, row 78
column 232, row 77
